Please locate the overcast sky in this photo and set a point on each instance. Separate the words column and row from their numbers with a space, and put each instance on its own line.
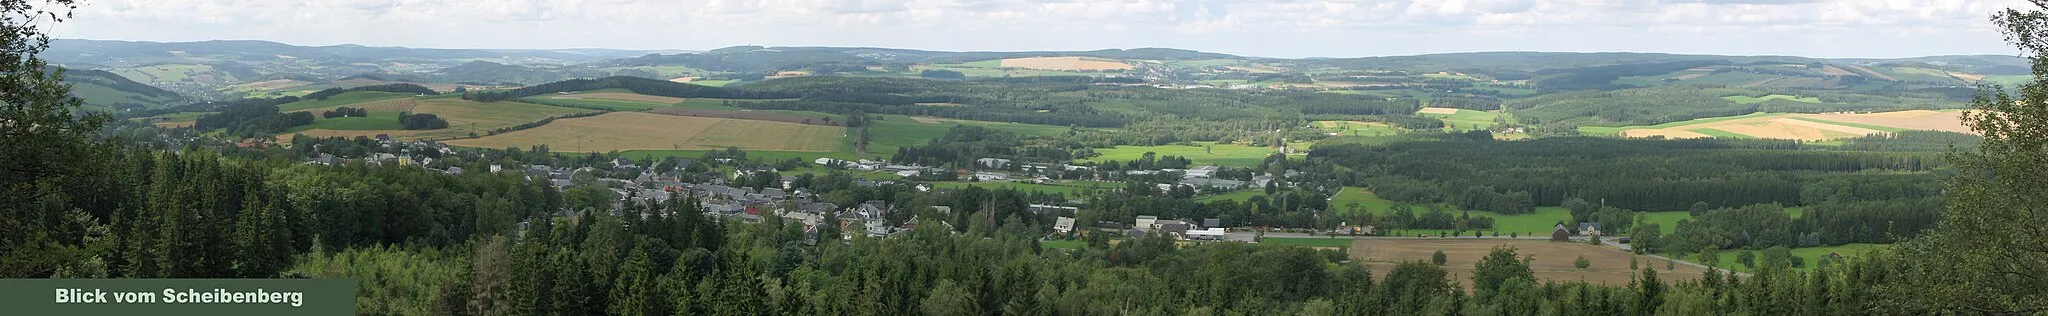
column 1269, row 28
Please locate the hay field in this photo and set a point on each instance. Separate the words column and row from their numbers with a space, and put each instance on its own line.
column 1806, row 127
column 621, row 97
column 1356, row 128
column 1966, row 77
column 1065, row 63
column 1667, row 133
column 1552, row 260
column 646, row 131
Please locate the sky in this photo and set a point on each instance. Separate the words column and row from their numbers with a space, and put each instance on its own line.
column 1264, row 28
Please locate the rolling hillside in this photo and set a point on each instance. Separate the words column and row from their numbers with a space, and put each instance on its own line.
column 105, row 90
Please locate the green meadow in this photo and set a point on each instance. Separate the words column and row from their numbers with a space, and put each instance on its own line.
column 1743, row 99
column 1811, row 254
column 1202, row 153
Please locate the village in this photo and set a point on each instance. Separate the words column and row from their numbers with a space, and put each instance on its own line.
column 721, row 196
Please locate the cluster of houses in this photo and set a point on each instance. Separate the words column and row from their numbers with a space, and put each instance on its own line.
column 738, row 203
column 413, row 153
column 1183, row 229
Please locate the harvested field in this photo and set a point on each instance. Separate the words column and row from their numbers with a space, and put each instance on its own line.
column 683, row 79
column 1688, row 76
column 182, row 124
column 1445, row 111
column 646, row 131
column 1950, row 121
column 1808, row 127
column 1831, row 70
column 744, row 115
column 1065, row 63
column 1851, row 130
column 925, row 119
column 1966, row 77
column 1667, row 133
column 1774, row 130
column 1550, row 260
column 622, row 97
column 1867, row 71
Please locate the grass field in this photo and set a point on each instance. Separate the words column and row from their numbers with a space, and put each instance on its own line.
column 1812, row 255
column 464, row 118
column 1537, row 223
column 1550, row 261
column 1356, row 128
column 1204, row 153
column 166, row 73
column 889, row 132
column 1743, row 99
column 1462, row 119
column 643, row 131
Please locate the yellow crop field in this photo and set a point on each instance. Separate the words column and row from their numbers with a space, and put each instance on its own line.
column 1807, row 127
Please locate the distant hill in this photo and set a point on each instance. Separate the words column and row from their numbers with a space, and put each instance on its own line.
column 759, row 58
column 135, row 53
column 110, row 91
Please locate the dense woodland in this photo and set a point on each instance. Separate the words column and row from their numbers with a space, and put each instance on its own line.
column 253, row 117
column 395, row 87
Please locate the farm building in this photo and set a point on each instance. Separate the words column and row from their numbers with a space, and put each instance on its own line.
column 1560, row 233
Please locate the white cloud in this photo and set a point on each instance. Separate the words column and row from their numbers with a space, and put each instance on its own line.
column 1253, row 27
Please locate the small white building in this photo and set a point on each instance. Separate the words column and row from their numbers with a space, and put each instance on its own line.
column 1213, row 233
